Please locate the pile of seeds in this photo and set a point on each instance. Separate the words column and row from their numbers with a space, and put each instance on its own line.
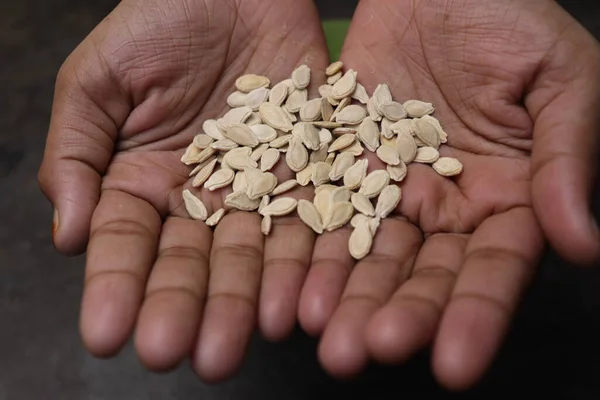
column 322, row 141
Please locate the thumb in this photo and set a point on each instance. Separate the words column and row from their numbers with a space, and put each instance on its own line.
column 88, row 108
column 565, row 102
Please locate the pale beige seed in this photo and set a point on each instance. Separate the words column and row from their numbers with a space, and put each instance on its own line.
column 372, row 109
column 296, row 100
column 426, row 132
column 194, row 206
column 404, row 126
column 332, row 101
column 330, row 158
column 325, row 91
column 427, row 155
column 320, row 173
column 240, row 201
column 239, row 158
column 362, row 204
column 304, row 177
column 388, row 200
column 328, row 187
column 249, row 82
column 262, row 185
column 205, row 154
column 447, row 166
column 374, row 183
column 275, row 117
column 290, row 85
column 345, row 86
column 398, row 172
column 264, row 133
column 393, row 111
column 281, row 141
column 191, row 154
column 269, row 158
column 360, row 241
column 280, row 207
column 386, row 128
column 331, row 80
column 224, row 145
column 327, row 124
column 278, row 93
column 360, row 94
column 199, row 167
column 368, row 134
column 323, row 203
column 237, row 115
column 309, row 215
column 351, row 115
column 358, row 218
column 256, row 97
column 301, row 77
column 311, row 110
column 325, row 136
column 374, row 224
column 340, row 194
column 387, row 142
column 339, row 215
column 326, row 110
column 241, row 134
column 240, row 183
column 381, row 96
column 219, row 179
column 204, row 173
column 419, row 142
column 342, row 104
column 354, row 175
column 309, row 135
column 291, row 116
column 283, row 149
column 259, row 151
column 237, row 99
column 334, row 68
column 266, row 224
column 252, row 174
column 253, row 119
column 355, row 149
column 202, row 141
column 343, row 130
column 319, row 155
column 297, row 155
column 434, row 121
column 211, row 129
column 342, row 162
column 264, row 201
column 342, row 142
column 418, row 108
column 388, row 155
column 284, row 187
column 216, row 217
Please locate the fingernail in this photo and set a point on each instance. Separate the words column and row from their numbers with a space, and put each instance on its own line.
column 54, row 222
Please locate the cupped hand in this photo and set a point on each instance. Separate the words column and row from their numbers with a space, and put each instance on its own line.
column 516, row 87
column 128, row 102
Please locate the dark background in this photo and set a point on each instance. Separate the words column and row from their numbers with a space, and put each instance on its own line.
column 552, row 350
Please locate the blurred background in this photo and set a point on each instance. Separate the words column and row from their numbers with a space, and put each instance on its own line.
column 553, row 349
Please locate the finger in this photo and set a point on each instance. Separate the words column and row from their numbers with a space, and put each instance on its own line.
column 87, row 111
column 499, row 262
column 288, row 253
column 123, row 241
column 565, row 150
column 343, row 350
column 230, row 314
column 408, row 322
column 170, row 315
column 330, row 268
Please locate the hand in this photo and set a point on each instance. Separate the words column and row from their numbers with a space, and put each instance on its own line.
column 516, row 86
column 128, row 102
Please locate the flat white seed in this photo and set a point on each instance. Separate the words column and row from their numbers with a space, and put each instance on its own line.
column 381, row 96
column 334, row 68
column 290, row 84
column 372, row 222
column 309, row 135
column 280, row 207
column 239, row 158
column 219, row 179
column 447, row 166
column 419, row 142
column 205, row 154
column 368, row 134
column 426, row 155
column 331, row 80
column 357, row 218
column 325, row 136
column 216, row 217
column 397, row 172
column 199, row 167
column 362, row 204
column 320, row 173
column 259, row 151
column 249, row 82
column 360, row 241
column 327, row 124
column 343, row 130
column 323, row 203
column 262, row 185
column 340, row 165
column 426, row 132
column 326, row 109
column 264, row 201
column 360, row 94
column 345, row 86
column 330, row 158
column 393, row 111
column 374, row 225
column 283, row 149
column 256, row 97
column 240, row 183
column 388, row 155
column 386, row 125
column 236, row 99
column 354, row 175
column 340, row 194
column 269, row 158
column 342, row 142
column 202, row 141
column 301, row 77
column 252, row 174
column 342, row 104
column 355, row 149
column 237, row 115
column 281, row 141
column 374, row 183
column 418, row 108
column 194, row 206
column 352, row 115
column 406, row 147
column 204, row 173
column 387, row 142
column 339, row 215
column 333, row 101
column 211, row 129
column 311, row 110
column 191, row 154
column 325, row 90
column 224, row 145
column 296, row 100
column 373, row 112
column 309, row 215
column 253, row 119
column 388, row 200
column 328, row 187
column 319, row 155
column 240, row 201
column 304, row 177
column 241, row 134
column 275, row 117
column 278, row 94
column 284, row 187
column 266, row 224
column 297, row 155
column 264, row 133
column 434, row 121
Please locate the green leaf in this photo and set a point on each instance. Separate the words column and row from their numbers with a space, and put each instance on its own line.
column 335, row 33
